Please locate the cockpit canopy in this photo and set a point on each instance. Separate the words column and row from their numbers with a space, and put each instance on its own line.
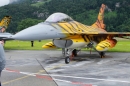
column 58, row 17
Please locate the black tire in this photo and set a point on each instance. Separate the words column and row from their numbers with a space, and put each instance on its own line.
column 74, row 52
column 102, row 54
column 67, row 60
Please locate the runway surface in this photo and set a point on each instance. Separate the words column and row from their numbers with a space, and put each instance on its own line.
column 48, row 68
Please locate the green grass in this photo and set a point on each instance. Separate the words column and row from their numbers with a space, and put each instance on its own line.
column 122, row 45
column 24, row 45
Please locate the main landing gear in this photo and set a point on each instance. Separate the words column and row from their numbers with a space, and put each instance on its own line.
column 90, row 45
column 69, row 54
column 102, row 54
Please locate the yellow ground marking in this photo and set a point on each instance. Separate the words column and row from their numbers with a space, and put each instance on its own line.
column 40, row 71
column 14, row 80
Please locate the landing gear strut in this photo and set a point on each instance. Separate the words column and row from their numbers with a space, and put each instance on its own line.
column 64, row 50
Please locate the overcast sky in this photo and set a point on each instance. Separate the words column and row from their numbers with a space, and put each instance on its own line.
column 4, row 2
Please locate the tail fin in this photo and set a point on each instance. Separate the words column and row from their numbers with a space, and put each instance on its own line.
column 5, row 21
column 100, row 23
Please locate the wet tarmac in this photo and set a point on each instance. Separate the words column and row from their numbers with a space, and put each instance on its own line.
column 48, row 68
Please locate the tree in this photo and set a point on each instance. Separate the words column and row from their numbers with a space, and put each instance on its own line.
column 25, row 23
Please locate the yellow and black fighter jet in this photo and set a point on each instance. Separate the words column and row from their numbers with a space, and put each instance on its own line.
column 69, row 34
column 4, row 23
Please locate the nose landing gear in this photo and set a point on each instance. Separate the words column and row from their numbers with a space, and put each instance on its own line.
column 69, row 56
column 67, row 59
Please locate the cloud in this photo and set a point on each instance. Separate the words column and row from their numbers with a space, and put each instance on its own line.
column 4, row 2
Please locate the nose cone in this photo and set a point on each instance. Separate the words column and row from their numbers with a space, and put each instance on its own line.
column 37, row 32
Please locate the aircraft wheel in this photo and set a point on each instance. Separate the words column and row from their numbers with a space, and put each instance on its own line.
column 74, row 52
column 102, row 54
column 67, row 60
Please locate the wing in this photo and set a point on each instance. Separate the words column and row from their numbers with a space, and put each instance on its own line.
column 95, row 33
column 112, row 34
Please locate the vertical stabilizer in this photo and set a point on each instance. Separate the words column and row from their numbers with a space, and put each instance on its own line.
column 100, row 20
column 5, row 21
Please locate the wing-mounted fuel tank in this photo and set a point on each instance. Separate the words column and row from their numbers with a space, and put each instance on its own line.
column 106, row 44
column 70, row 43
column 49, row 45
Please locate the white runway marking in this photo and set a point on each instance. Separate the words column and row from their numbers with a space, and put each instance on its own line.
column 78, row 83
column 34, row 74
column 103, row 61
column 81, row 63
column 91, row 78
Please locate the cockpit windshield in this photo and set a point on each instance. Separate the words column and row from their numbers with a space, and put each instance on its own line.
column 59, row 17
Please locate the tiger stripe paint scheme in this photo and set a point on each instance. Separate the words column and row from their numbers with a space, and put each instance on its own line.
column 5, row 21
column 96, row 32
column 49, row 45
column 67, row 33
column 84, row 33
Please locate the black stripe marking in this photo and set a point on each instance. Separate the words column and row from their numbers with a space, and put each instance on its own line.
column 73, row 26
column 69, row 28
column 64, row 29
column 83, row 36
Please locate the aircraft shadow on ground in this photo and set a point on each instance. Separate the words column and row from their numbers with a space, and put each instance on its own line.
column 80, row 57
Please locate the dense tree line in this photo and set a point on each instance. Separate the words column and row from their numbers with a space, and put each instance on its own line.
column 24, row 14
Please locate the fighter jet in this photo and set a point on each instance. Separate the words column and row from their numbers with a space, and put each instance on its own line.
column 5, row 21
column 71, row 35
